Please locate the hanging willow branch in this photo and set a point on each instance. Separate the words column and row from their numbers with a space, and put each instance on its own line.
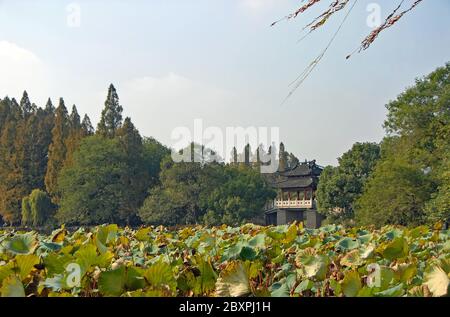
column 335, row 7
column 390, row 21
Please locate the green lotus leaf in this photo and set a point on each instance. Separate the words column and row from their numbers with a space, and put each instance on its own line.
column 134, row 278
column 255, row 268
column 352, row 259
column 207, row 280
column 347, row 244
column 329, row 228
column 186, row 282
column 406, row 271
column 258, row 241
column 26, row 263
column 336, row 287
column 233, row 252
column 247, row 253
column 280, row 290
column 291, row 234
column 12, row 287
column 22, row 243
column 366, row 292
column 160, row 275
column 305, row 285
column 6, row 270
column 438, row 282
column 392, row 234
column 87, row 257
column 421, row 231
column 112, row 283
column 396, row 249
column 55, row 283
column 367, row 252
column 278, row 233
column 351, row 284
column 365, row 238
column 316, row 267
column 56, row 264
column 143, row 234
column 50, row 246
column 396, row 291
column 233, row 281
column 105, row 235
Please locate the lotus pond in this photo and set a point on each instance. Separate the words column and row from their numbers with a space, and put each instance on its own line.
column 223, row 261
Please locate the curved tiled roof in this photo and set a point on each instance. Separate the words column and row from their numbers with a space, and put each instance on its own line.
column 295, row 183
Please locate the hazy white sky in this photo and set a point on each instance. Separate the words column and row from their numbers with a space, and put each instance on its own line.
column 173, row 61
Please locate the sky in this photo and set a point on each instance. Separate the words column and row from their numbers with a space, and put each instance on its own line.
column 174, row 61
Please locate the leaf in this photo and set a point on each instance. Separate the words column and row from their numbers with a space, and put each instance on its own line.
column 316, row 267
column 233, row 281
column 55, row 283
column 160, row 275
column 351, row 284
column 396, row 249
column 305, row 285
column 50, row 246
column 438, row 282
column 22, row 243
column 406, row 271
column 247, row 253
column 143, row 234
column 280, row 290
column 105, row 235
column 291, row 234
column 207, row 278
column 12, row 287
column 258, row 241
column 87, row 257
column 395, row 291
column 26, row 263
column 352, row 259
column 134, row 278
column 6, row 270
column 59, row 235
column 347, row 244
column 112, row 283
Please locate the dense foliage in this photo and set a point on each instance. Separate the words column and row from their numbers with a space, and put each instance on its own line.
column 226, row 261
column 52, row 159
column 410, row 184
column 340, row 186
column 406, row 179
column 213, row 194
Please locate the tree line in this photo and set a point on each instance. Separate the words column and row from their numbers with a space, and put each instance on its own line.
column 406, row 178
column 56, row 168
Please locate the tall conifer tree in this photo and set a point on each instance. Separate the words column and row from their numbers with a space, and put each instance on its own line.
column 111, row 118
column 57, row 150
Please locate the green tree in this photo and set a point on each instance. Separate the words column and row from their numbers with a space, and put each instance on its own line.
column 74, row 136
column 57, row 150
column 396, row 194
column 240, row 196
column 111, row 118
column 340, row 186
column 154, row 153
column 86, row 126
column 41, row 208
column 91, row 188
column 211, row 193
column 12, row 185
column 135, row 179
column 26, row 212
column 415, row 157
